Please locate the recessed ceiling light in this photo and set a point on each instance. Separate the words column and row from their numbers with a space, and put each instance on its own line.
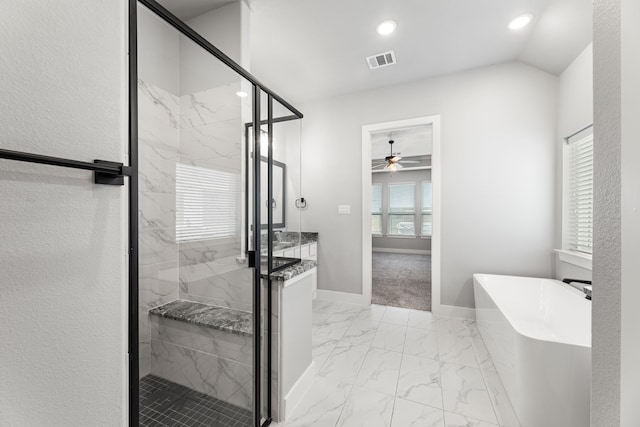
column 386, row 27
column 242, row 94
column 520, row 22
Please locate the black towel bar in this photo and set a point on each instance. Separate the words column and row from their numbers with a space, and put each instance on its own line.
column 107, row 173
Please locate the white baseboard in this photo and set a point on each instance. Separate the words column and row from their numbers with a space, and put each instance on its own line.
column 298, row 390
column 403, row 251
column 454, row 311
column 335, row 296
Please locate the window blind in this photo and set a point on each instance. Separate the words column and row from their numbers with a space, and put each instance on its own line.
column 376, row 199
column 427, row 203
column 207, row 203
column 579, row 193
column 376, row 209
column 427, row 208
column 402, row 198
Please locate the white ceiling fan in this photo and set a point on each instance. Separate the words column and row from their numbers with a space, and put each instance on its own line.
column 393, row 163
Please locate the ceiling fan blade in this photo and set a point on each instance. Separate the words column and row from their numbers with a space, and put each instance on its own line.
column 410, row 161
column 378, row 165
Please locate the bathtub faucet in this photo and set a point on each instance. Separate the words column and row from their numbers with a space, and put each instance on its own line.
column 586, row 288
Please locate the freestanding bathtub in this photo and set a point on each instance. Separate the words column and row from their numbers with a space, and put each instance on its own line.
column 538, row 333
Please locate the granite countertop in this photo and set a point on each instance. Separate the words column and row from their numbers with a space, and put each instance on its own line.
column 289, row 239
column 295, row 270
column 222, row 318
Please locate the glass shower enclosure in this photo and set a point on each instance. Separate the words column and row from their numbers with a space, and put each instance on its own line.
column 219, row 174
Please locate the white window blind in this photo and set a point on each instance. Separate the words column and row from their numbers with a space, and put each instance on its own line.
column 207, row 203
column 427, row 204
column 376, row 209
column 376, row 199
column 402, row 207
column 427, row 208
column 579, row 193
column 402, row 198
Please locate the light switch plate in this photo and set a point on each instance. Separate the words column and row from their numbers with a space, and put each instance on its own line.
column 344, row 209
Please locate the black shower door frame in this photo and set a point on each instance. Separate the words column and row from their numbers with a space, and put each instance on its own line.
column 254, row 256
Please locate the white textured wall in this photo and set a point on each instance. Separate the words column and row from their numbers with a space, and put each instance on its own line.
column 227, row 28
column 63, row 252
column 630, row 161
column 616, row 348
column 575, row 112
column 605, row 386
column 498, row 173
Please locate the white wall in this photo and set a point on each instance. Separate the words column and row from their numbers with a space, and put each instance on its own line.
column 498, row 173
column 227, row 28
column 575, row 112
column 158, row 52
column 616, row 349
column 630, row 189
column 63, row 252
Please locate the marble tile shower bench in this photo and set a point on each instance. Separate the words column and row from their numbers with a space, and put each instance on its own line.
column 204, row 347
column 208, row 316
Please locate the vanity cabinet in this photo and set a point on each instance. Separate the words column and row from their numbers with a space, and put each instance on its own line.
column 306, row 251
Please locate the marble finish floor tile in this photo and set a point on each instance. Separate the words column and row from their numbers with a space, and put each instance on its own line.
column 456, row 349
column 373, row 312
column 419, row 319
column 464, row 392
column 367, row 408
column 344, row 362
column 321, row 352
column 457, row 420
column 396, row 315
column 380, row 371
column 482, row 354
column 389, row 366
column 420, row 381
column 500, row 400
column 411, row 414
column 361, row 331
column 321, row 405
column 421, row 343
column 390, row 337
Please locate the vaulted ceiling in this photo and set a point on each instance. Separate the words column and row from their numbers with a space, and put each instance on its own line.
column 311, row 49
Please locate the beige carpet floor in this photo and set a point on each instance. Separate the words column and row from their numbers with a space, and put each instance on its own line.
column 402, row 280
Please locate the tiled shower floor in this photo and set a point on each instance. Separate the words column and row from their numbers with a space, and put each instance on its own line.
column 167, row 404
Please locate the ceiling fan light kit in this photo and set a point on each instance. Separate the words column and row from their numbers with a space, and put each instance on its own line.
column 393, row 162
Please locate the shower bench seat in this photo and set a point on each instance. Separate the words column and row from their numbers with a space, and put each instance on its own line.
column 222, row 318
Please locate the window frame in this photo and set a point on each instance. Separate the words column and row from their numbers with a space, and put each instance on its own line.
column 422, row 209
column 209, row 202
column 389, row 213
column 381, row 213
column 571, row 252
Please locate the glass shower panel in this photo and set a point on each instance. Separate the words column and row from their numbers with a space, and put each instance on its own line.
column 287, row 185
column 196, row 290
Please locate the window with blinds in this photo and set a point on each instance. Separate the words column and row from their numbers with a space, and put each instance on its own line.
column 578, row 203
column 207, row 203
column 376, row 209
column 402, row 202
column 427, row 208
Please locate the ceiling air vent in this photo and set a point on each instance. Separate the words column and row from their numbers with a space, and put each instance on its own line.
column 381, row 60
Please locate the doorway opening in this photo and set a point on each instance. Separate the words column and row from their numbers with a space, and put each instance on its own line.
column 400, row 219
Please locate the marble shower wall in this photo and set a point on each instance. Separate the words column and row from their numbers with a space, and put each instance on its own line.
column 212, row 137
column 159, row 142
